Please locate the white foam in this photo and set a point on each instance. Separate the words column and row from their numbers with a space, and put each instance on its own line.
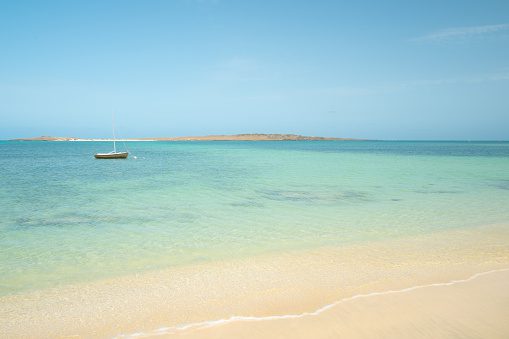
column 234, row 318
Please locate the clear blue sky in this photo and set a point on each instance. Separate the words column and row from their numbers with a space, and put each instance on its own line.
column 380, row 69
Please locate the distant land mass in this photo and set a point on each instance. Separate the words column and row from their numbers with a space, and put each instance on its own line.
column 235, row 137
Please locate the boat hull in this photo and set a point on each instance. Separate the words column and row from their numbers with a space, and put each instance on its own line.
column 113, row 155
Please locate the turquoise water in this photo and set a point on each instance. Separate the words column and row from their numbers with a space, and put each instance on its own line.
column 67, row 217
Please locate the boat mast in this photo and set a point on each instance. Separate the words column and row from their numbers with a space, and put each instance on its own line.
column 113, row 127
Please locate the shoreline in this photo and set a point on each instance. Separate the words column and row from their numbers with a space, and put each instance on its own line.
column 211, row 324
column 291, row 283
column 456, row 308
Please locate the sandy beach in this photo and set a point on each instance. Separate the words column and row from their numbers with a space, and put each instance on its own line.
column 446, row 284
column 475, row 307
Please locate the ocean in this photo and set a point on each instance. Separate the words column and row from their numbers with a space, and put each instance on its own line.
column 68, row 218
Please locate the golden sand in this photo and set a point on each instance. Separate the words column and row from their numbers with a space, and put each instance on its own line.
column 299, row 284
column 476, row 307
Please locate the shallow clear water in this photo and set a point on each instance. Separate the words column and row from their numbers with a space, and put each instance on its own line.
column 67, row 217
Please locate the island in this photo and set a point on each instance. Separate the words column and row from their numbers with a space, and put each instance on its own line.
column 235, row 137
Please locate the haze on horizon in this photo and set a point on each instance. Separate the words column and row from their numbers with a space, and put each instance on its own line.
column 371, row 69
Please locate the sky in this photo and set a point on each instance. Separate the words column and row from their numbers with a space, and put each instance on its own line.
column 362, row 69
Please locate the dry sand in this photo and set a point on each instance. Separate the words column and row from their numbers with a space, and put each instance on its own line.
column 471, row 308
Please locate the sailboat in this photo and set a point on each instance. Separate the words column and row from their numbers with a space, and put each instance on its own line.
column 113, row 154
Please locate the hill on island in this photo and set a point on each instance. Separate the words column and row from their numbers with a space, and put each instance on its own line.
column 235, row 137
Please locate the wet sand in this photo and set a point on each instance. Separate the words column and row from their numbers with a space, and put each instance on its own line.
column 299, row 283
